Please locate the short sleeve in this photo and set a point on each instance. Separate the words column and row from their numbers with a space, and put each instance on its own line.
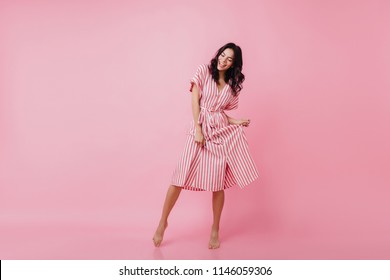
column 199, row 78
column 233, row 104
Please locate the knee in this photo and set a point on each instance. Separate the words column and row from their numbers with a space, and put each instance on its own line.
column 175, row 188
column 219, row 193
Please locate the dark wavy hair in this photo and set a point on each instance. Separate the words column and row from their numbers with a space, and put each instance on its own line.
column 233, row 75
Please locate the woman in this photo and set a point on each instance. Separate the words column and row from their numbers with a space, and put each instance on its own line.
column 216, row 154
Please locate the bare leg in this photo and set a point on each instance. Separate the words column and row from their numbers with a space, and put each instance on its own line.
column 170, row 200
column 218, row 201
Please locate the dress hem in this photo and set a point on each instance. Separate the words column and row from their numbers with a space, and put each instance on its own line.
column 192, row 188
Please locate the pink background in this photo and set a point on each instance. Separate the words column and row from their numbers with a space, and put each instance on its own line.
column 94, row 107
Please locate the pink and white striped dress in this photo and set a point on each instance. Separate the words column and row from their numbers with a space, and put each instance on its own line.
column 224, row 161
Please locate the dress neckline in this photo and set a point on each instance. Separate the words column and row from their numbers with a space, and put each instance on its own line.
column 220, row 90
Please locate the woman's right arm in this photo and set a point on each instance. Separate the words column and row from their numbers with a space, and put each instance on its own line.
column 199, row 138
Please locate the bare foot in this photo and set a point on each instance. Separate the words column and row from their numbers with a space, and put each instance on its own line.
column 159, row 235
column 214, row 239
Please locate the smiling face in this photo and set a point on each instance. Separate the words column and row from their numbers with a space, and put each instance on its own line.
column 225, row 60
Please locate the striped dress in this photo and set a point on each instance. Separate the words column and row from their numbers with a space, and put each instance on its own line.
column 224, row 160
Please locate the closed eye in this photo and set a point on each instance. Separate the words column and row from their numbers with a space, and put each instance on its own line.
column 229, row 58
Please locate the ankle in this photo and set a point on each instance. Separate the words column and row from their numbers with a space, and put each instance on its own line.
column 215, row 228
column 163, row 224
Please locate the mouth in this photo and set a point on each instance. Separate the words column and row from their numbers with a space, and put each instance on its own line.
column 222, row 65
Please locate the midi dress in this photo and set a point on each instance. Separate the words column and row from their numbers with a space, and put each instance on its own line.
column 224, row 161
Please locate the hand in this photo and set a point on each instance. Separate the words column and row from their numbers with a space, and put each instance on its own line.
column 199, row 138
column 243, row 122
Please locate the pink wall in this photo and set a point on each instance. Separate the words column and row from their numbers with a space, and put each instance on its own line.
column 94, row 107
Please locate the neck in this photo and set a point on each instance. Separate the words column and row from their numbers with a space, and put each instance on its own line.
column 222, row 75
